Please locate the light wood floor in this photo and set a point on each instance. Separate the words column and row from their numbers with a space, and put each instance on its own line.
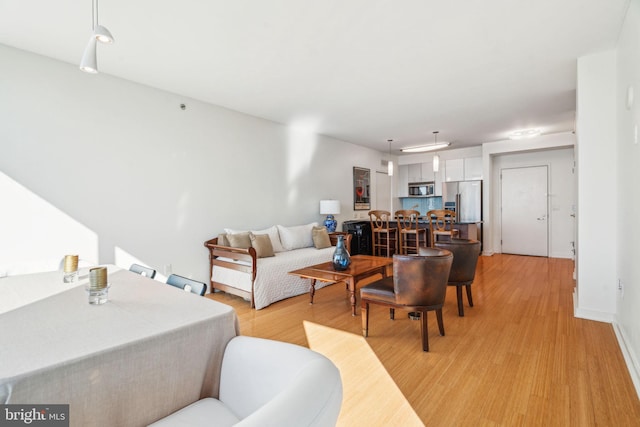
column 518, row 357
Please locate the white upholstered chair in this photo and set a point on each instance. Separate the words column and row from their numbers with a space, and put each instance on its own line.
column 268, row 383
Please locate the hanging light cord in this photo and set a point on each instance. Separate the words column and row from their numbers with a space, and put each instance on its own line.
column 94, row 15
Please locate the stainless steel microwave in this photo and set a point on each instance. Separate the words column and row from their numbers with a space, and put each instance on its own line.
column 421, row 189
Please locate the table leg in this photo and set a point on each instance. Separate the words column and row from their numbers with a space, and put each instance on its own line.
column 312, row 290
column 352, row 294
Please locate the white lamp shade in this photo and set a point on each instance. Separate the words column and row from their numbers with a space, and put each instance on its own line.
column 103, row 35
column 329, row 207
column 390, row 168
column 436, row 163
column 89, row 63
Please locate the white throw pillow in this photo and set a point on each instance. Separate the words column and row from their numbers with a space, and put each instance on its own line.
column 296, row 237
column 271, row 231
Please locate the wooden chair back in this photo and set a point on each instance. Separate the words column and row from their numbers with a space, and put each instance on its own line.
column 407, row 219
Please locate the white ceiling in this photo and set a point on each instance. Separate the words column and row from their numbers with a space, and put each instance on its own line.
column 362, row 71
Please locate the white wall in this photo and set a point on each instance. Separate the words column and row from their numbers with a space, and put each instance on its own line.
column 125, row 162
column 596, row 165
column 561, row 196
column 628, row 194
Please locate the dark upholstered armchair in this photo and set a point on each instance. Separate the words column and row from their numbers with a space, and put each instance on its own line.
column 419, row 283
column 463, row 270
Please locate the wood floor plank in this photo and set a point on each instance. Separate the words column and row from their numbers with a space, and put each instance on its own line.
column 518, row 357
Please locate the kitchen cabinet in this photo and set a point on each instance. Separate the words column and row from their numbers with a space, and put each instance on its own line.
column 454, row 170
column 403, row 181
column 427, row 172
column 472, row 168
column 415, row 172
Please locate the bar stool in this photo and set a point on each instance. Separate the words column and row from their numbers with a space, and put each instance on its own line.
column 383, row 237
column 408, row 226
column 441, row 224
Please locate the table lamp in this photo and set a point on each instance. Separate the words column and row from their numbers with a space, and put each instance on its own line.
column 330, row 208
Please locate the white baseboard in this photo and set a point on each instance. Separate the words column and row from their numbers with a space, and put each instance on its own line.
column 627, row 352
column 599, row 316
column 629, row 357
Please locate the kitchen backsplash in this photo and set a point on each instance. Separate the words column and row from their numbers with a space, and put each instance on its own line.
column 424, row 203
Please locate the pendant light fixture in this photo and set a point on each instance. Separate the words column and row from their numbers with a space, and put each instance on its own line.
column 89, row 63
column 429, row 147
column 390, row 162
column 436, row 157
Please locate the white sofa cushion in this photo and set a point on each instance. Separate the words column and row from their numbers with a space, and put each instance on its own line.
column 296, row 237
column 268, row 383
column 204, row 412
column 273, row 281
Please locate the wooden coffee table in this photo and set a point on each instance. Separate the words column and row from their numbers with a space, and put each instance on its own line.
column 361, row 267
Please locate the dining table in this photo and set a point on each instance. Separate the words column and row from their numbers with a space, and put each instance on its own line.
column 150, row 350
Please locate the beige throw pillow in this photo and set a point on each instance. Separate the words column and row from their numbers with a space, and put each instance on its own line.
column 262, row 244
column 239, row 240
column 321, row 238
column 271, row 231
column 222, row 239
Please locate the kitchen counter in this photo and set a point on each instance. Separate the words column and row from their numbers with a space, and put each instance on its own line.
column 468, row 230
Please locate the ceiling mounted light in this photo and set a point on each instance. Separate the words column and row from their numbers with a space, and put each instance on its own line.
column 103, row 35
column 524, row 133
column 431, row 147
column 390, row 162
column 436, row 157
column 89, row 63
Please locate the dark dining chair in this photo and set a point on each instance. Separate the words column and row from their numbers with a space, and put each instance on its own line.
column 186, row 284
column 143, row 271
column 419, row 284
column 463, row 270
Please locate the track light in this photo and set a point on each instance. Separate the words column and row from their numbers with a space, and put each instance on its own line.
column 103, row 35
column 89, row 63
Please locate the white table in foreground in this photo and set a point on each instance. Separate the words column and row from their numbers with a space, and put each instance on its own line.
column 149, row 351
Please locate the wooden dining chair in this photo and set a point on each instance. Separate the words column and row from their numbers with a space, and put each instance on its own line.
column 441, row 222
column 143, row 271
column 410, row 234
column 419, row 284
column 383, row 237
column 187, row 284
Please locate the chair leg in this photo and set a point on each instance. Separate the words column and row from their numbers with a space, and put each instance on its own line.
column 392, row 313
column 440, row 323
column 424, row 330
column 364, row 310
column 459, row 296
column 469, row 298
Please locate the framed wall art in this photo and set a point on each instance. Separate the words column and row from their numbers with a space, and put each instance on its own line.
column 361, row 189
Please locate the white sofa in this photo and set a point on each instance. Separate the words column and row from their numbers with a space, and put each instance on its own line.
column 263, row 281
column 268, row 383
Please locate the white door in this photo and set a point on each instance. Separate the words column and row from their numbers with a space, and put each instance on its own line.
column 525, row 211
column 383, row 192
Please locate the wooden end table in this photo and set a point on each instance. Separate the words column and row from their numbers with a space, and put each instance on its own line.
column 361, row 267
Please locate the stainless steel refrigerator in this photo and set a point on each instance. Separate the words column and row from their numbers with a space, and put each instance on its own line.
column 465, row 198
